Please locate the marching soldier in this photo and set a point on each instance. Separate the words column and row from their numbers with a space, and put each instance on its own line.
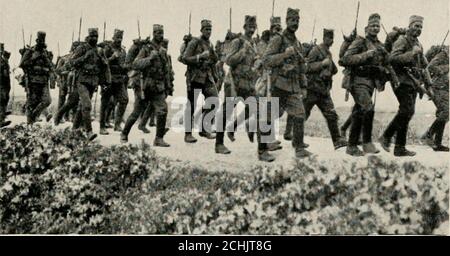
column 407, row 59
column 321, row 69
column 62, row 71
column 366, row 57
column 115, row 54
column 90, row 64
column 201, row 60
column 153, row 89
column 288, row 79
column 37, row 66
column 5, row 85
column 439, row 73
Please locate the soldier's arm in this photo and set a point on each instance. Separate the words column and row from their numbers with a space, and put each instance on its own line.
column 314, row 64
column 189, row 56
column 272, row 57
column 344, row 47
column 399, row 55
column 142, row 61
column 79, row 57
column 236, row 54
column 355, row 55
column 439, row 64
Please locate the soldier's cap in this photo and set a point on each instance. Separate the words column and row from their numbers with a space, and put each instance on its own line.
column 265, row 33
column 118, row 33
column 206, row 24
column 374, row 19
column 250, row 20
column 415, row 18
column 158, row 27
column 292, row 13
column 328, row 33
column 275, row 21
column 2, row 47
column 93, row 31
column 40, row 35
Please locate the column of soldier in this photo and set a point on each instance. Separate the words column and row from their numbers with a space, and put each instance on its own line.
column 299, row 75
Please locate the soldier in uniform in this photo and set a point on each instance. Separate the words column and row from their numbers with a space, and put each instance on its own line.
column 153, row 89
column 201, row 60
column 284, row 58
column 5, row 85
column 321, row 69
column 90, row 64
column 37, row 66
column 438, row 68
column 366, row 57
column 406, row 58
column 115, row 54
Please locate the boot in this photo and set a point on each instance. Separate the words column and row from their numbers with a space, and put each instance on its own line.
column 103, row 131
column 123, row 138
column 188, row 138
column 385, row 143
column 221, row 149
column 7, row 113
column 230, row 136
column 426, row 139
column 48, row 117
column 440, row 148
column 5, row 123
column 302, row 153
column 402, row 151
column 287, row 136
column 207, row 135
column 354, row 151
column 144, row 129
column 108, row 125
column 159, row 142
column 340, row 143
column 117, row 128
column 265, row 156
column 369, row 148
column 273, row 146
column 152, row 122
column 277, row 142
column 251, row 136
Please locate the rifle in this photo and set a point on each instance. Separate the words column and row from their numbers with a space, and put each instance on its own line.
column 190, row 22
column 230, row 18
column 273, row 7
column 79, row 28
column 312, row 36
column 347, row 92
column 139, row 29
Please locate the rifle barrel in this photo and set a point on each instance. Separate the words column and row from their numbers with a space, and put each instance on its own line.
column 357, row 16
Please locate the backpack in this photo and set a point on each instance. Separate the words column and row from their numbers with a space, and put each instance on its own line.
column 432, row 52
column 186, row 40
column 392, row 37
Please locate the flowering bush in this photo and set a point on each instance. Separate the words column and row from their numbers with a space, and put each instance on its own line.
column 55, row 182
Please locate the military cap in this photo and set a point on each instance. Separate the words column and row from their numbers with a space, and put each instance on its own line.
column 158, row 27
column 74, row 46
column 206, row 23
column 374, row 19
column 6, row 54
column 274, row 21
column 93, row 31
column 250, row 20
column 2, row 47
column 40, row 35
column 328, row 33
column 118, row 33
column 292, row 13
column 415, row 18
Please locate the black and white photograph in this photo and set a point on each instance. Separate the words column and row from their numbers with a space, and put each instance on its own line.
column 232, row 117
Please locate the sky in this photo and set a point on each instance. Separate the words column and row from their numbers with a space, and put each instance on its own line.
column 60, row 18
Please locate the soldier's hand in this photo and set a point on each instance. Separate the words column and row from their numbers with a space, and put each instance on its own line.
column 154, row 54
column 304, row 93
column 162, row 51
column 204, row 55
column 416, row 50
column 35, row 55
column 290, row 51
column 371, row 53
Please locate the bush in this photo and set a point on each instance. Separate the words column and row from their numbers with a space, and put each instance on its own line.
column 55, row 182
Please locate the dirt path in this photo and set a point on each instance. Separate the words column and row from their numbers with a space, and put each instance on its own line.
column 244, row 156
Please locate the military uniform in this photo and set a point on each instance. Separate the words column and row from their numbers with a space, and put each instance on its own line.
column 201, row 75
column 403, row 58
column 116, row 56
column 90, row 65
column 284, row 58
column 37, row 66
column 438, row 68
column 366, row 61
column 5, row 84
column 242, row 77
column 153, row 90
column 319, row 86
